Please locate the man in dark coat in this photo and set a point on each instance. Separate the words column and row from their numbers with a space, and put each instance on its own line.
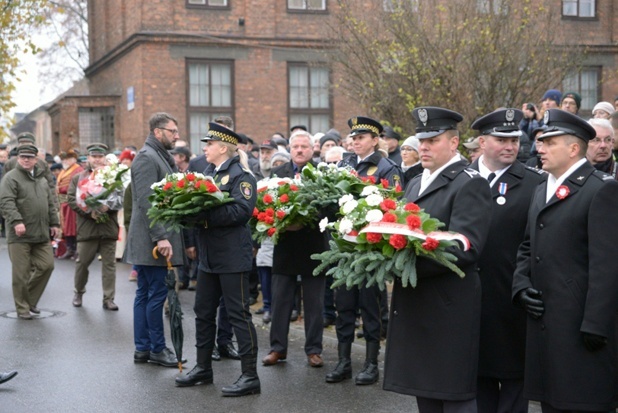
column 433, row 338
column 503, row 325
column 291, row 257
column 566, row 276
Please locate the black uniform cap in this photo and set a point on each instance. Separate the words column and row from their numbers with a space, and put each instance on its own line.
column 432, row 121
column 302, row 127
column 561, row 122
column 361, row 124
column 502, row 123
column 217, row 132
column 97, row 148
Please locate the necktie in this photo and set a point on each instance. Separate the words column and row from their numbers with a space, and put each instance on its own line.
column 491, row 177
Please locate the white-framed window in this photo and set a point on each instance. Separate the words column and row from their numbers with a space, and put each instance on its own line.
column 492, row 6
column 579, row 8
column 391, row 6
column 307, row 5
column 210, row 92
column 209, row 3
column 309, row 97
column 587, row 83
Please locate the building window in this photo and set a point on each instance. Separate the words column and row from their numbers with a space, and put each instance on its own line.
column 579, row 8
column 391, row 6
column 210, row 92
column 309, row 97
column 587, row 83
column 492, row 6
column 208, row 3
column 96, row 125
column 309, row 5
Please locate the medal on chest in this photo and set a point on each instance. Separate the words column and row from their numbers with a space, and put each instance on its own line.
column 502, row 188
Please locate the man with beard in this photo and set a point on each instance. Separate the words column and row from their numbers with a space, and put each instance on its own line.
column 599, row 152
column 151, row 164
column 262, row 169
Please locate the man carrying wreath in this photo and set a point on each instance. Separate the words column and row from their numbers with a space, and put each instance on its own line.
column 433, row 337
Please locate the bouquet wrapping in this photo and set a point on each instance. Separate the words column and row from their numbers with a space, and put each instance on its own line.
column 179, row 199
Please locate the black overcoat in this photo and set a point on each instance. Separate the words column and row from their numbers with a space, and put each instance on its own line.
column 433, row 336
column 503, row 325
column 570, row 255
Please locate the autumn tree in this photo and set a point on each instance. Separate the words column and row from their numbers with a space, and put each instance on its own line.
column 469, row 56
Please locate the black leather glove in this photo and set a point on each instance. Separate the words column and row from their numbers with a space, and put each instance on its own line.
column 594, row 342
column 530, row 299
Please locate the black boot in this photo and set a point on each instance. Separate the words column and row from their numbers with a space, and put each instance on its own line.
column 201, row 373
column 343, row 370
column 248, row 382
column 370, row 373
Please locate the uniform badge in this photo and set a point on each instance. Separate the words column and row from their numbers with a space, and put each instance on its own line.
column 225, row 180
column 246, row 189
column 510, row 115
column 396, row 179
column 546, row 117
column 354, row 121
column 422, row 116
column 580, row 178
column 372, row 170
column 562, row 192
column 502, row 188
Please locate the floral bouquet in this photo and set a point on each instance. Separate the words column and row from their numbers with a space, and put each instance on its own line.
column 377, row 239
column 103, row 187
column 277, row 208
column 178, row 199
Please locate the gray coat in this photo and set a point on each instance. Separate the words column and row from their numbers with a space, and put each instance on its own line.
column 149, row 166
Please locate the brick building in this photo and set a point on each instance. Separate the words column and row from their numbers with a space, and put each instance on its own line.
column 263, row 62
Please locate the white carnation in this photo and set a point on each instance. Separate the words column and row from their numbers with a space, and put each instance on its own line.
column 349, row 206
column 375, row 215
column 370, row 189
column 323, row 224
column 345, row 198
column 345, row 226
column 374, row 199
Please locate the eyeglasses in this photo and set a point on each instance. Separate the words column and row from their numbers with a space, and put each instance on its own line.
column 173, row 131
column 597, row 141
column 27, row 157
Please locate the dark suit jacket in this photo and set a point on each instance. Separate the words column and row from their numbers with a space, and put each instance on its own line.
column 503, row 325
column 433, row 333
column 198, row 164
column 569, row 254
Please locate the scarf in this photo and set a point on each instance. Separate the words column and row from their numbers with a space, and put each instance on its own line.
column 158, row 146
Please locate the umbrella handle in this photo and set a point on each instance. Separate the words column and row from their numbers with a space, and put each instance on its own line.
column 156, row 257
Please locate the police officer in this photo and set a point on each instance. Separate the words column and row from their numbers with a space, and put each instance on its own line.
column 226, row 256
column 503, row 325
column 369, row 163
column 433, row 337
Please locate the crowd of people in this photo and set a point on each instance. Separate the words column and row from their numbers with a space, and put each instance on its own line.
column 534, row 318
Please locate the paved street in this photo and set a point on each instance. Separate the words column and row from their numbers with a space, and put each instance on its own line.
column 80, row 360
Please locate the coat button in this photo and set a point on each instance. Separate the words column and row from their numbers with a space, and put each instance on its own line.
column 538, row 259
column 541, row 226
column 395, row 312
column 542, row 326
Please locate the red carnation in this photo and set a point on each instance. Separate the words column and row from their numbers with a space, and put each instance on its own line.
column 269, row 220
column 284, row 198
column 168, row 186
column 270, row 212
column 431, row 244
column 397, row 188
column 398, row 241
column 262, row 189
column 262, row 216
column 281, row 183
column 371, row 179
column 256, row 212
column 211, row 187
column 373, row 238
column 190, row 177
column 387, row 205
column 388, row 217
column 280, row 214
column 83, row 196
column 268, row 199
column 293, row 187
column 180, row 184
column 271, row 232
column 384, row 183
column 414, row 221
column 411, row 207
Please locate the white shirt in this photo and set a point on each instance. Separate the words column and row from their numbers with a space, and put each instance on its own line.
column 484, row 171
column 359, row 160
column 553, row 183
column 427, row 178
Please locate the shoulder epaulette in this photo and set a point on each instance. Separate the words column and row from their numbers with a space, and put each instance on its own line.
column 471, row 172
column 537, row 171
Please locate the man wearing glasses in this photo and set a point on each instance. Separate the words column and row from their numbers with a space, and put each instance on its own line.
column 599, row 151
column 151, row 164
column 27, row 204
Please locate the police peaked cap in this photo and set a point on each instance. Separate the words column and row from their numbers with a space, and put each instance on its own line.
column 27, row 149
column 502, row 123
column 560, row 122
column 432, row 121
column 218, row 132
column 361, row 124
column 97, row 148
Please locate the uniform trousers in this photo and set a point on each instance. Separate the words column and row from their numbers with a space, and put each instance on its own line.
column 445, row 406
column 500, row 395
column 224, row 328
column 369, row 301
column 234, row 288
column 283, row 287
column 148, row 308
column 32, row 265
column 87, row 251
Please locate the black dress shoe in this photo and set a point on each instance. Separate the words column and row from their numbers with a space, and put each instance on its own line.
column 294, row 315
column 260, row 311
column 266, row 318
column 215, row 354
column 228, row 351
column 165, row 358
column 329, row 322
column 35, row 310
column 197, row 375
column 252, row 301
column 4, row 377
column 141, row 356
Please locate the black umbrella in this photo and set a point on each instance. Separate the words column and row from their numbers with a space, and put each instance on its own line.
column 175, row 311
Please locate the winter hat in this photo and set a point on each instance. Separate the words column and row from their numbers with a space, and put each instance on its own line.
column 604, row 106
column 328, row 137
column 412, row 142
column 575, row 96
column 554, row 95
